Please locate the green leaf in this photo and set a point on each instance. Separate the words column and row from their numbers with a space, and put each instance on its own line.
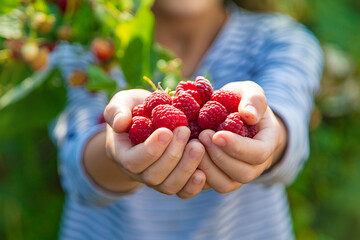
column 7, row 6
column 26, row 87
column 83, row 23
column 99, row 80
column 134, row 39
column 32, row 104
column 11, row 26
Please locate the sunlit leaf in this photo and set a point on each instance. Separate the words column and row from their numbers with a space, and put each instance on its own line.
column 8, row 5
column 26, row 87
column 32, row 104
column 10, row 26
column 99, row 80
column 135, row 45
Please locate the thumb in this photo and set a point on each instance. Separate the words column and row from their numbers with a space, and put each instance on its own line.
column 118, row 112
column 122, row 120
column 252, row 106
column 253, row 102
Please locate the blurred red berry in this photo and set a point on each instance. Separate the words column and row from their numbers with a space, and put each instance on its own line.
column 78, row 78
column 102, row 49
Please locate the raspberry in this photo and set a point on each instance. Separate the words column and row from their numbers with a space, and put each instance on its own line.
column 195, row 129
column 190, row 87
column 204, row 88
column 102, row 49
column 138, row 111
column 140, row 129
column 187, row 104
column 211, row 115
column 101, row 119
column 156, row 98
column 252, row 130
column 185, row 86
column 233, row 123
column 168, row 116
column 228, row 99
column 196, row 96
column 78, row 78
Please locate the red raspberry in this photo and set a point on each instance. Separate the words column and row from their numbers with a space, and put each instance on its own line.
column 195, row 129
column 168, row 116
column 233, row 123
column 102, row 49
column 140, row 129
column 204, row 88
column 190, row 87
column 228, row 99
column 185, row 86
column 155, row 99
column 101, row 119
column 196, row 95
column 138, row 111
column 252, row 130
column 187, row 104
column 211, row 115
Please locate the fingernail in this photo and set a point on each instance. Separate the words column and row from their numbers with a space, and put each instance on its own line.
column 182, row 135
column 206, row 140
column 252, row 110
column 195, row 154
column 117, row 115
column 164, row 138
column 220, row 141
column 197, row 179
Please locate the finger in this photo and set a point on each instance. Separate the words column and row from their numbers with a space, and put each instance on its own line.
column 194, row 186
column 114, row 140
column 193, row 154
column 118, row 112
column 137, row 158
column 253, row 102
column 216, row 178
column 206, row 187
column 236, row 169
column 160, row 170
column 253, row 151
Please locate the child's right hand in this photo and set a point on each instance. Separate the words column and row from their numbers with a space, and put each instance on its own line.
column 165, row 161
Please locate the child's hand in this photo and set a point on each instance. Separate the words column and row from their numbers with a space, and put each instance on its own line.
column 233, row 160
column 165, row 161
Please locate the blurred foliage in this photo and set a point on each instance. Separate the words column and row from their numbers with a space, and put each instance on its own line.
column 324, row 198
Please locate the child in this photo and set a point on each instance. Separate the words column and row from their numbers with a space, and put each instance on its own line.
column 119, row 191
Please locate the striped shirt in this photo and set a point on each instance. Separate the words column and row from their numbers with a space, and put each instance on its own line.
column 274, row 51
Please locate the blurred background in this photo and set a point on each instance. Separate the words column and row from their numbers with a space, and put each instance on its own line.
column 325, row 197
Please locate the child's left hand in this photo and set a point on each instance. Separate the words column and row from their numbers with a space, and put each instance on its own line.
column 233, row 160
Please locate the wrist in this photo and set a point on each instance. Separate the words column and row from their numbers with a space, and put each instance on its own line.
column 103, row 170
column 282, row 143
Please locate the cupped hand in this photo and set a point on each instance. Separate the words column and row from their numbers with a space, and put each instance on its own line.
column 165, row 161
column 232, row 160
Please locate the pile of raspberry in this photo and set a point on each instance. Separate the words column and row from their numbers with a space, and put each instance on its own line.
column 195, row 105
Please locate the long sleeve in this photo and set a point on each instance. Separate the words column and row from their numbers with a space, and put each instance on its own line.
column 75, row 126
column 289, row 69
